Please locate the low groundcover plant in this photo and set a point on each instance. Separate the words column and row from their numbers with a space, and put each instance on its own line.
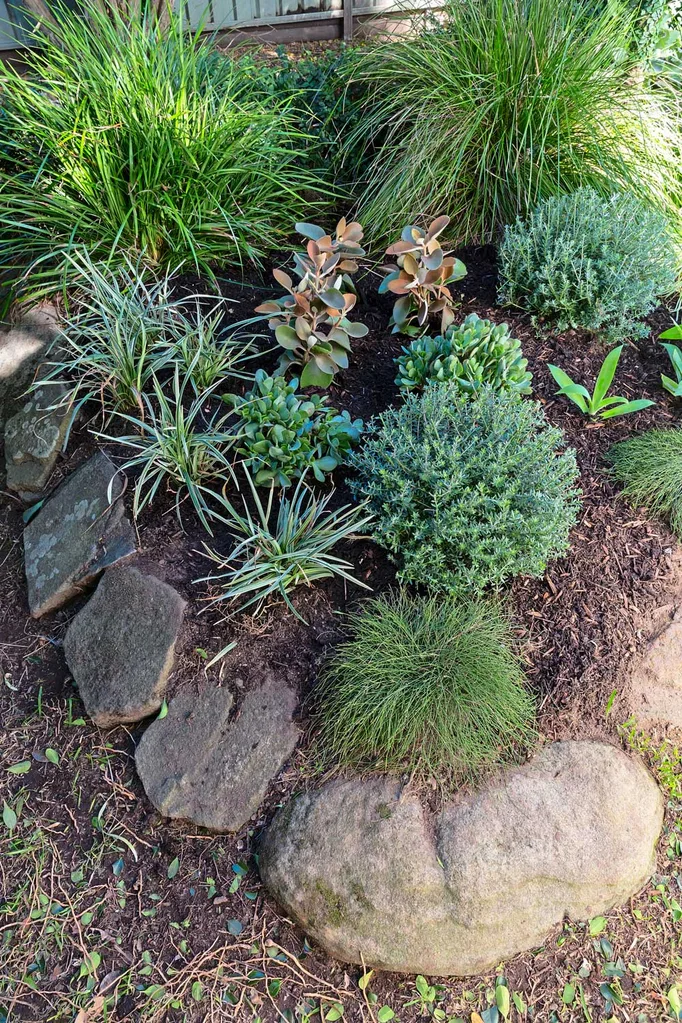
column 467, row 490
column 429, row 685
column 475, row 353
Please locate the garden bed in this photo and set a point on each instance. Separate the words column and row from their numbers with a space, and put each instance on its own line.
column 579, row 627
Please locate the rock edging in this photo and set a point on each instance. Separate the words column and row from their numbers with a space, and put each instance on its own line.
column 364, row 872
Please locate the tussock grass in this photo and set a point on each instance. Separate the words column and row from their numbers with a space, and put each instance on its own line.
column 429, row 685
column 124, row 137
column 650, row 468
column 511, row 102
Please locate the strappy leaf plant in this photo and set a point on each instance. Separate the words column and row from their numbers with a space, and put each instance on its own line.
column 673, row 387
column 598, row 403
column 271, row 560
column 177, row 445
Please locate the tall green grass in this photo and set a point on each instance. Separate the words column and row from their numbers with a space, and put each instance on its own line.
column 430, row 684
column 125, row 137
column 511, row 102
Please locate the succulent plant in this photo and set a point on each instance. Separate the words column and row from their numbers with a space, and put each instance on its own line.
column 310, row 322
column 476, row 352
column 284, row 434
column 420, row 277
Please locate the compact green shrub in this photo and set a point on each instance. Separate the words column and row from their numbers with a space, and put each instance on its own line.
column 650, row 468
column 124, row 137
column 283, row 434
column 474, row 353
column 429, row 685
column 467, row 490
column 588, row 262
column 505, row 105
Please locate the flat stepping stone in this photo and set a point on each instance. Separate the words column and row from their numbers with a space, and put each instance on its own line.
column 33, row 440
column 120, row 648
column 655, row 696
column 197, row 764
column 377, row 880
column 21, row 349
column 77, row 533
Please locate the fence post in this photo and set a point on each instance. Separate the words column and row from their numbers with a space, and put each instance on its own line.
column 347, row 20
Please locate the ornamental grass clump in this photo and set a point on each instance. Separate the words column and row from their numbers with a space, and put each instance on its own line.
column 506, row 104
column 475, row 353
column 650, row 468
column 126, row 135
column 590, row 263
column 467, row 490
column 427, row 685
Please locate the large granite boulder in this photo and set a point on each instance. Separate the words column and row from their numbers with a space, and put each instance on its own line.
column 33, row 439
column 204, row 764
column 81, row 530
column 120, row 648
column 655, row 692
column 365, row 870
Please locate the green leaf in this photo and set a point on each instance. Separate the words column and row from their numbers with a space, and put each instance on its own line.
column 333, row 298
column 624, row 410
column 502, row 1000
column 606, row 375
column 162, row 713
column 385, row 1014
column 561, row 378
column 365, row 979
column 568, row 994
column 235, row 927
column 311, row 231
column 675, row 1001
column 519, row 1002
column 9, row 817
column 173, row 868
column 35, row 508
column 597, row 925
column 197, row 990
column 287, row 337
column 672, row 333
column 52, row 756
column 23, row 767
column 334, row 1013
column 313, row 376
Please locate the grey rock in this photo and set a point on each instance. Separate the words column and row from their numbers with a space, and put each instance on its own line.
column 21, row 349
column 120, row 648
column 34, row 438
column 655, row 696
column 369, row 875
column 76, row 535
column 197, row 764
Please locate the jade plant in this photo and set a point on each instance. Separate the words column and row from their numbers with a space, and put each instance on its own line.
column 284, row 434
column 476, row 352
column 420, row 277
column 311, row 321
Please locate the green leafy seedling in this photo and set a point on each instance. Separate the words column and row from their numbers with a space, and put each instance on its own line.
column 597, row 403
column 673, row 387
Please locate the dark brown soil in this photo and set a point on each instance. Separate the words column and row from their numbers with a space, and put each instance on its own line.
column 578, row 628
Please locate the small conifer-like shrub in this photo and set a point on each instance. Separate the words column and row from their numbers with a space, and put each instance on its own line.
column 467, row 490
column 590, row 263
